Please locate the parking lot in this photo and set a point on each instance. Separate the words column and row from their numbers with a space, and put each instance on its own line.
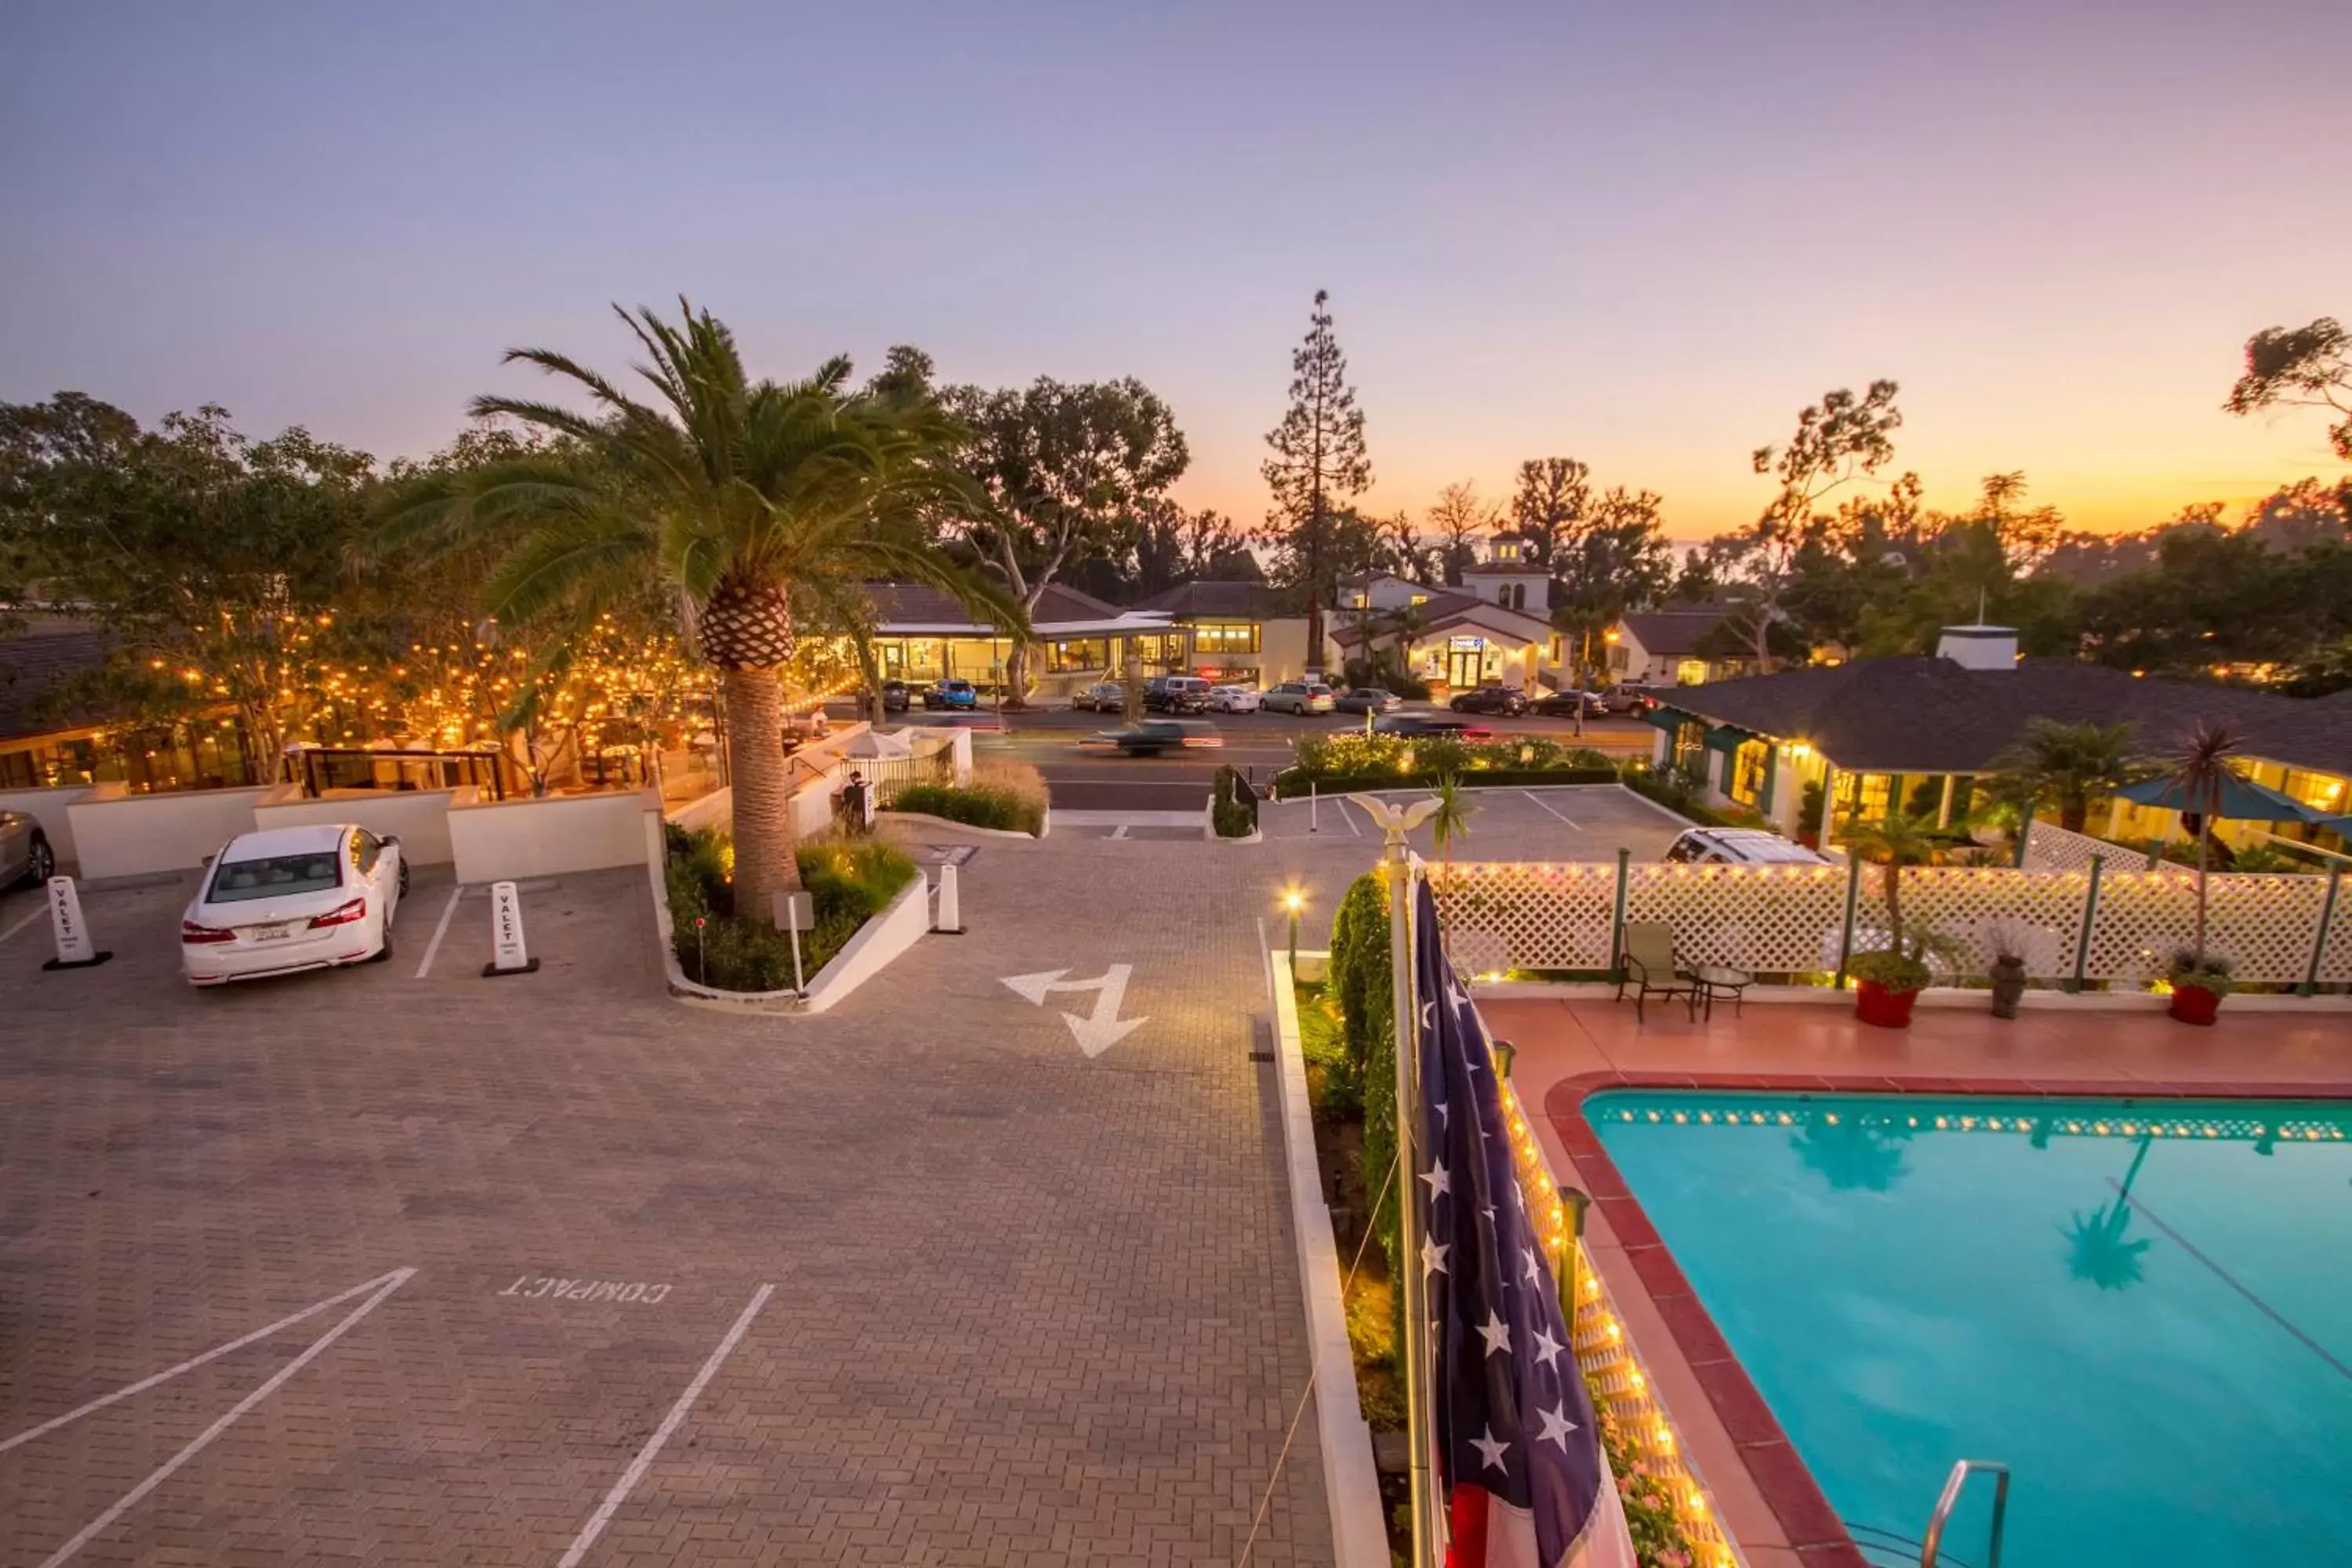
column 433, row 1268
column 1560, row 822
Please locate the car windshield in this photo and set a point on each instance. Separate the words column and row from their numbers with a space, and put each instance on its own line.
column 275, row 876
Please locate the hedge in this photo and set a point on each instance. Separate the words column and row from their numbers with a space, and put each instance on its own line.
column 849, row 884
column 979, row 806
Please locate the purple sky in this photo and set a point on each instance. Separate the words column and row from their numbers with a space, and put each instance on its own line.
column 1643, row 234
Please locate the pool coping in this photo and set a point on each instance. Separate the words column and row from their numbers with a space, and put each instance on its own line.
column 1778, row 1470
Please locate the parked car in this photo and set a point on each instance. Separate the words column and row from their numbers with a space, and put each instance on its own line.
column 24, row 855
column 895, row 696
column 1739, row 847
column 1568, row 704
column 1102, row 696
column 1367, row 700
column 1300, row 697
column 1507, row 700
column 1628, row 697
column 1153, row 736
column 1176, row 694
column 952, row 694
column 288, row 898
column 1425, row 724
column 1233, row 699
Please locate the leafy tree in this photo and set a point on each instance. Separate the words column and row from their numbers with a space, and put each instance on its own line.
column 1458, row 521
column 1069, row 472
column 740, row 499
column 210, row 559
column 1613, row 559
column 1319, row 462
column 2302, row 367
column 2071, row 765
column 1838, row 440
column 1550, row 501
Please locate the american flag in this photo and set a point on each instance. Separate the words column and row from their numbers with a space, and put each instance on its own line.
column 1519, row 1466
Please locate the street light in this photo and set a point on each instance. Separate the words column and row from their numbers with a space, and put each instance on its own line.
column 1293, row 900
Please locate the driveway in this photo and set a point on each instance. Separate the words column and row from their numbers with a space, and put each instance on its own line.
column 550, row 1269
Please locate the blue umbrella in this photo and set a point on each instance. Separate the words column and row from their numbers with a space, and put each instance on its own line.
column 2241, row 800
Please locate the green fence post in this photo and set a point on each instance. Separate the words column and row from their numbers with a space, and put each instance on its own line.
column 1853, row 896
column 2025, row 832
column 2320, row 943
column 2090, row 919
column 1617, row 920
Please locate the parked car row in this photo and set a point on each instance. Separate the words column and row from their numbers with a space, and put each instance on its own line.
column 1194, row 694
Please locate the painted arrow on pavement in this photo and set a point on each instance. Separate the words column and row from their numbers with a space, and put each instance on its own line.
column 1101, row 1029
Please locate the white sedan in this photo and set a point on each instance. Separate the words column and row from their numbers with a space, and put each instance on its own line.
column 1233, row 699
column 289, row 899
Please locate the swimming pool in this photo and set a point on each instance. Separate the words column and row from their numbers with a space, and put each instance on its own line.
column 2144, row 1308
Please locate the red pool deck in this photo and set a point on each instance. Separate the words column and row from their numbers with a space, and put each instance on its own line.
column 1571, row 1048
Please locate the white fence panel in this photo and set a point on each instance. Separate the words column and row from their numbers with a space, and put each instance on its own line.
column 1507, row 914
column 1758, row 917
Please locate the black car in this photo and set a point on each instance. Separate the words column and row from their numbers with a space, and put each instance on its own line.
column 1567, row 704
column 1423, row 725
column 1507, row 700
column 894, row 697
column 1153, row 736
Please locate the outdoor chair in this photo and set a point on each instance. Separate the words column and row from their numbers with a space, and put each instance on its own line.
column 1646, row 962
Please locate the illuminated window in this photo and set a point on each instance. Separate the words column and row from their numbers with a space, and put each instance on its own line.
column 1748, row 772
column 1226, row 636
column 1690, row 672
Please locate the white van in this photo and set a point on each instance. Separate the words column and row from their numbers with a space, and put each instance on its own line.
column 1739, row 847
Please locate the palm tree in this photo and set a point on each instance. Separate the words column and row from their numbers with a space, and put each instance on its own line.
column 2199, row 771
column 2097, row 1248
column 1853, row 1152
column 750, row 502
column 2071, row 764
column 1450, row 821
column 1893, row 841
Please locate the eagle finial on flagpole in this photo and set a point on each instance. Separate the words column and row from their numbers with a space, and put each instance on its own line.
column 1395, row 821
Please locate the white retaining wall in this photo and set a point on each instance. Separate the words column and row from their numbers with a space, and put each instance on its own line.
column 418, row 818
column 144, row 835
column 508, row 840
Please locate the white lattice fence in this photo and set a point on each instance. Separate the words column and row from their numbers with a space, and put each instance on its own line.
column 1769, row 918
column 2051, row 848
column 1507, row 914
column 1967, row 905
column 1792, row 919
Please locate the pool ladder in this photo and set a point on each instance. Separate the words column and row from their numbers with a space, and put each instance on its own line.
column 1953, row 1484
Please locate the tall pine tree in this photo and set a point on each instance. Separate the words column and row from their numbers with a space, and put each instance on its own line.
column 1319, row 463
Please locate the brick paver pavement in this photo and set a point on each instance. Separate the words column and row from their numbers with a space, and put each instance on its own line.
column 1028, row 1306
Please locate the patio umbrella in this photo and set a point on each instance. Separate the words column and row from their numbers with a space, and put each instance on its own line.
column 2242, row 800
column 876, row 744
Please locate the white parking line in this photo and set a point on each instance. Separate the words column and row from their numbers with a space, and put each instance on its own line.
column 1119, row 832
column 144, row 1384
column 439, row 930
column 1347, row 816
column 670, row 1423
column 21, row 924
column 1541, row 802
column 163, row 1473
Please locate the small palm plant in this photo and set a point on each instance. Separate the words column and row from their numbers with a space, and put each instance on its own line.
column 2199, row 772
column 1895, row 841
column 1450, row 820
column 2071, row 764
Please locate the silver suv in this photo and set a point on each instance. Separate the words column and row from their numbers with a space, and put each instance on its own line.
column 1739, row 847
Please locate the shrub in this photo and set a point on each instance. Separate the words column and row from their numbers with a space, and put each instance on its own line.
column 1359, row 976
column 849, row 884
column 2212, row 974
column 979, row 806
column 1890, row 970
column 1677, row 789
column 1233, row 804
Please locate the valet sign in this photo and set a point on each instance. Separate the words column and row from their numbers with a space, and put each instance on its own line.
column 508, row 953
column 75, row 948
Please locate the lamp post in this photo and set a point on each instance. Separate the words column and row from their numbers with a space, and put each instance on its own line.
column 1293, row 900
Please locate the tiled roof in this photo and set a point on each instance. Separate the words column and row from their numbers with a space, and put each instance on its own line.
column 1436, row 614
column 1254, row 601
column 1929, row 715
column 917, row 605
column 35, row 666
column 1673, row 633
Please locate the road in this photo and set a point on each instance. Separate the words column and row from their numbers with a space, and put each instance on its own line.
column 1257, row 744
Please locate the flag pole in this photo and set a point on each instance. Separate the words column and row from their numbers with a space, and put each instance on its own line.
column 1427, row 1551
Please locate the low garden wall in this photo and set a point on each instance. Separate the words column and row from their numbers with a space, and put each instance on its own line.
column 502, row 841
column 148, row 834
column 418, row 818
column 48, row 807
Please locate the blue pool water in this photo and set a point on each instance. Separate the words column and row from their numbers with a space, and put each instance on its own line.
column 1911, row 1281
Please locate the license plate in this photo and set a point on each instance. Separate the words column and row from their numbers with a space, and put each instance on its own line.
column 269, row 932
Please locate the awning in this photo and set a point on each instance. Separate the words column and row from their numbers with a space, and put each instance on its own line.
column 1726, row 738
column 2239, row 799
column 1667, row 719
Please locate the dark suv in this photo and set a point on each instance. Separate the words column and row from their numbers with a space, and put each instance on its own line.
column 1176, row 694
column 1507, row 700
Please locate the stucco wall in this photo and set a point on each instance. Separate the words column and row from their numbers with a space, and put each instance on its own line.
column 48, row 807
column 137, row 835
column 510, row 840
column 418, row 818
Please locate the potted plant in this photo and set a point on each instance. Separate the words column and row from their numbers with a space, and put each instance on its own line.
column 2198, row 772
column 2007, row 939
column 1887, row 981
column 1887, row 984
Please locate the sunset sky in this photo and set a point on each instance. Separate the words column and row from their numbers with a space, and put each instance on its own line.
column 1642, row 235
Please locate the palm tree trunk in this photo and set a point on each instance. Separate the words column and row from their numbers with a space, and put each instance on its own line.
column 765, row 862
column 2201, row 828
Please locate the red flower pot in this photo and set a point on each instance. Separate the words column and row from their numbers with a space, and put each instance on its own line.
column 2195, row 1005
column 1874, row 1004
